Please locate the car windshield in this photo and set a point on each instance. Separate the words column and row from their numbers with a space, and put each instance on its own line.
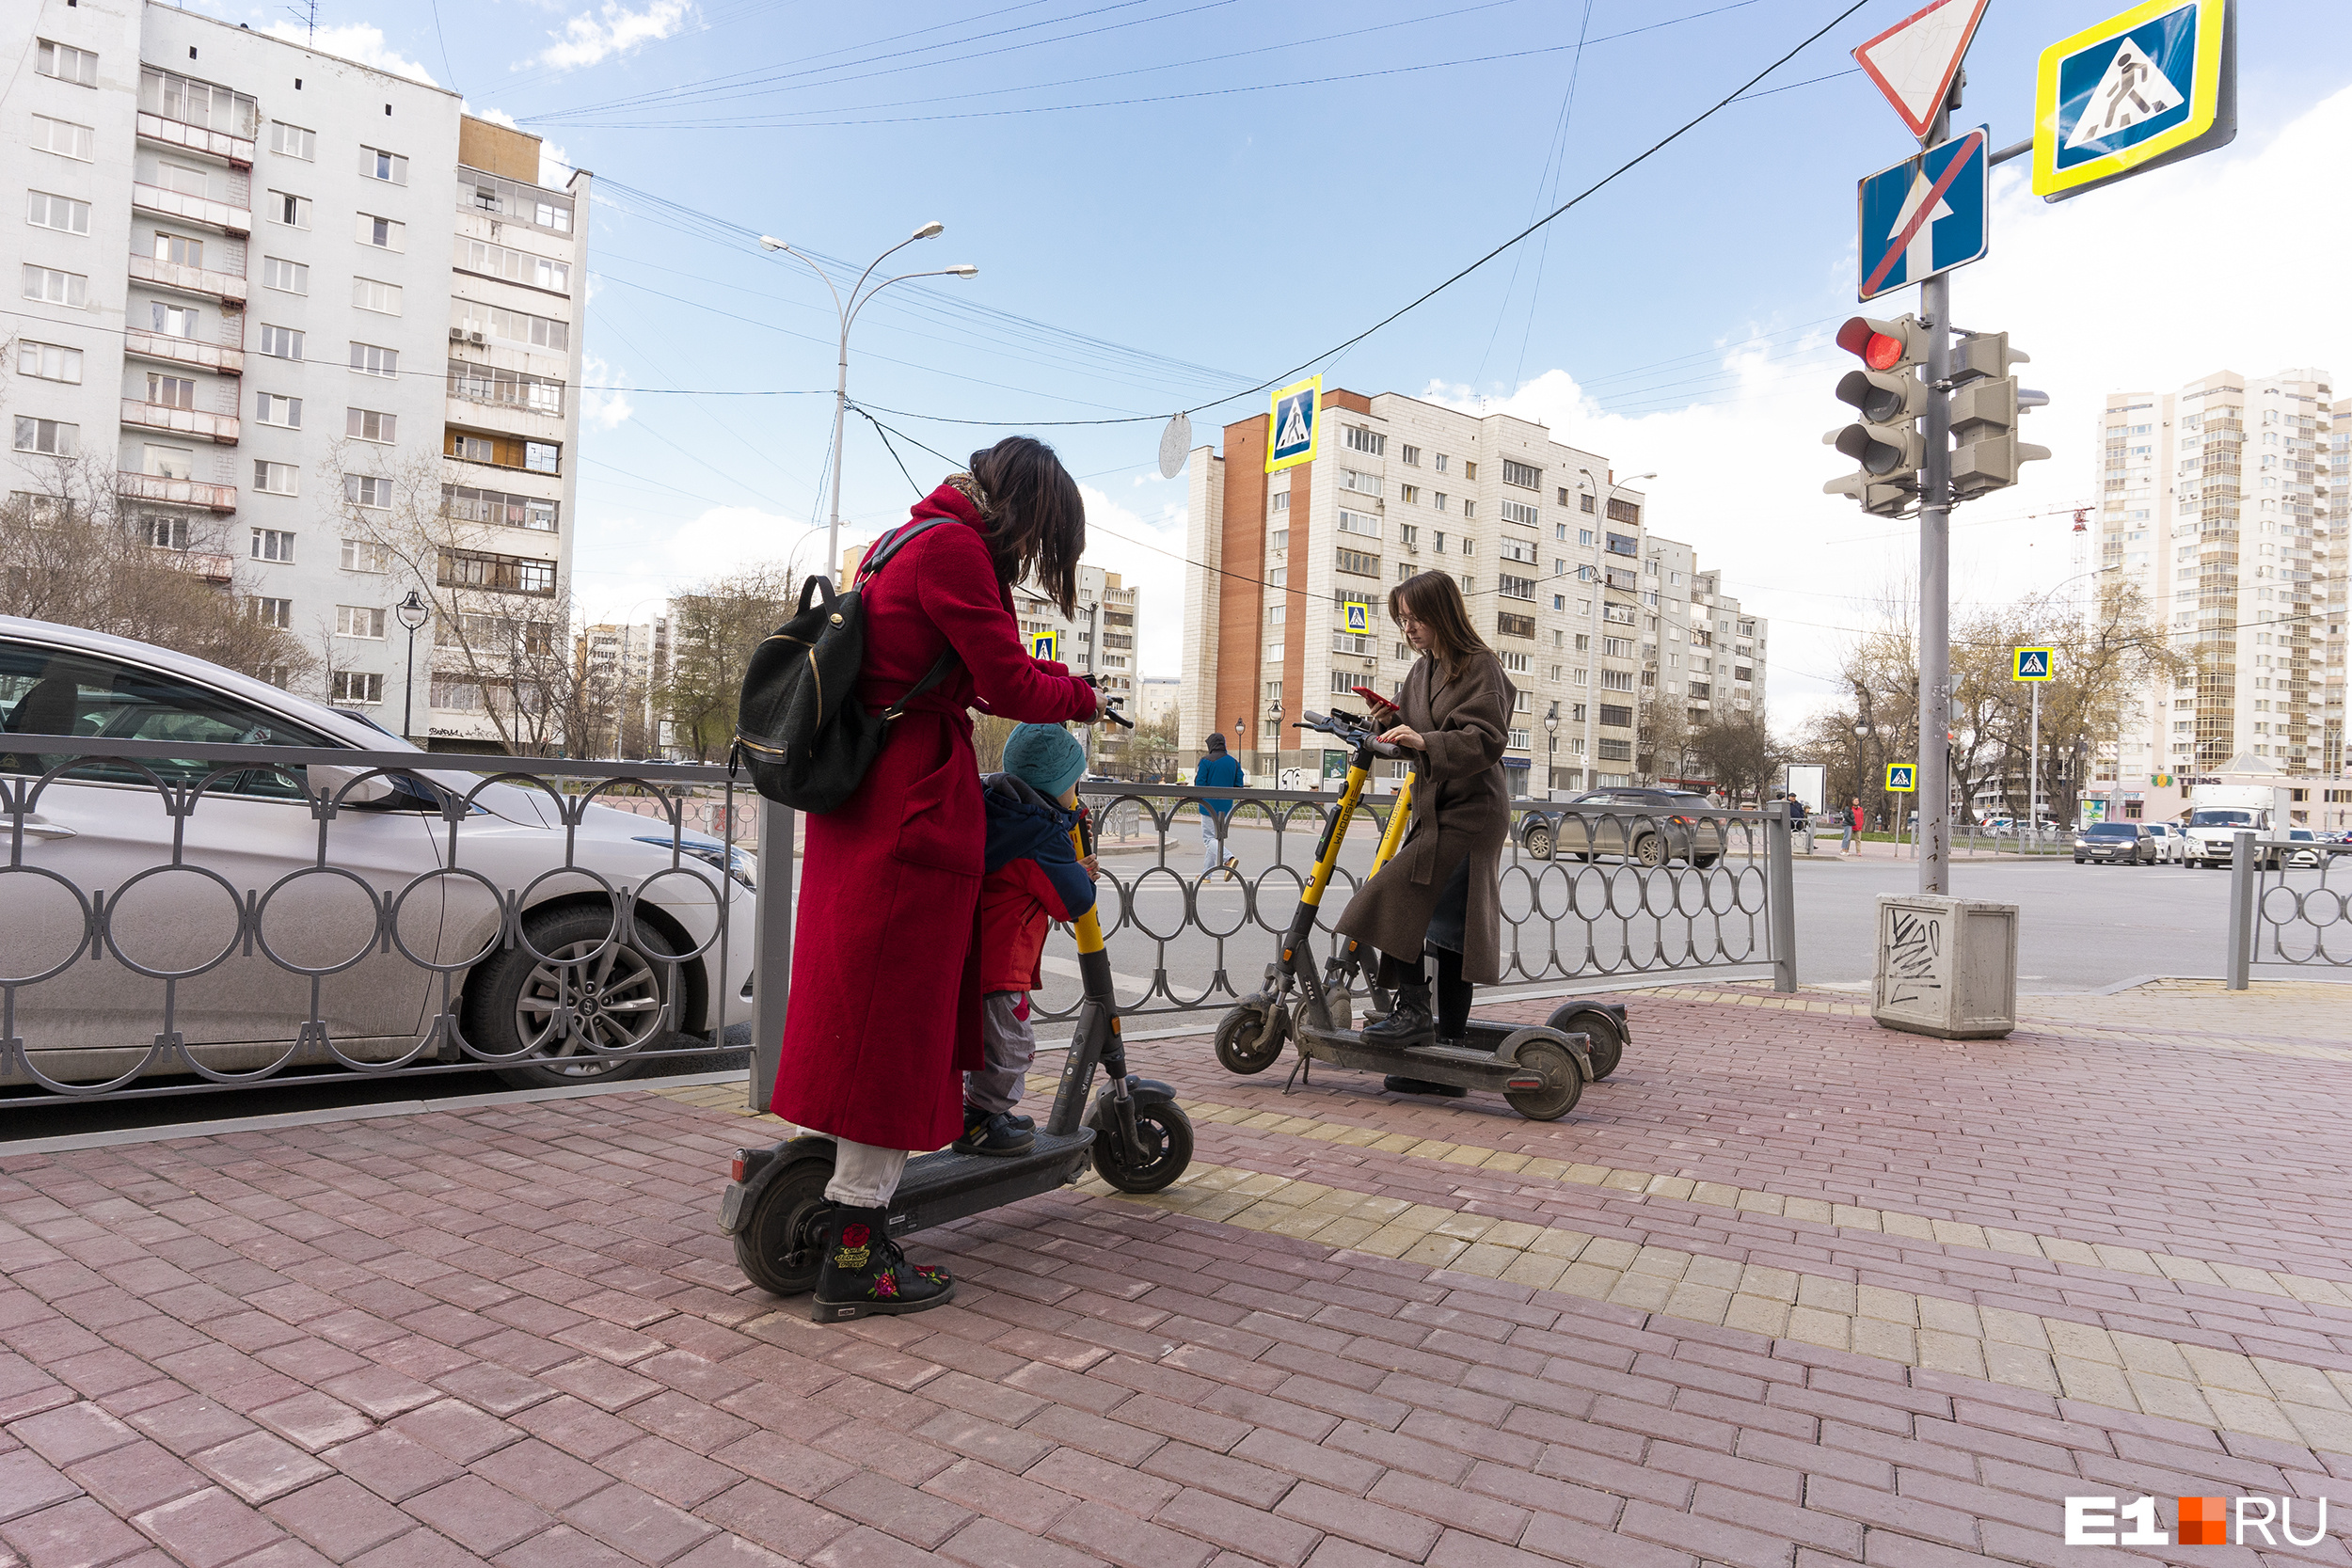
column 2112, row 830
column 2221, row 819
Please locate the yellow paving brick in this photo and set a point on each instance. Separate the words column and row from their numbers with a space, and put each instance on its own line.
column 1432, row 1149
column 1917, row 1228
column 1561, row 1243
column 1643, row 1292
column 1813, row 1210
column 2330, row 1430
column 2013, row 1241
column 2020, row 1366
column 1759, row 1315
column 2095, row 1381
column 1266, row 1120
column 1464, row 1228
column 2155, row 1357
column 1376, row 1205
column 2014, row 1328
column 2300, row 1385
column 1347, row 1232
column 1359, row 1137
column 1676, row 1187
column 1504, row 1160
column 1395, row 1143
column 2318, row 1292
column 1535, row 1271
column 1221, row 1206
column 1894, row 1306
column 1585, row 1176
column 1464, row 1155
column 2189, row 1271
column 1423, row 1217
column 1513, row 1233
column 2057, row 1249
column 1955, row 1233
column 1831, row 1330
column 1754, row 1202
column 1328, row 1132
column 1301, row 1222
column 1958, row 1353
column 2222, row 1369
column 1759, row 1279
column 2249, row 1413
column 2173, row 1398
column 1660, row 1262
column 1546, row 1170
column 2239, row 1277
column 1825, row 1294
column 1941, row 1315
column 2126, row 1260
column 1887, row 1341
column 1609, row 1252
column 1485, row 1258
column 1723, row 1274
column 2082, row 1341
column 1715, row 1195
column 1435, row 1250
column 1627, row 1181
column 1589, row 1280
column 1390, row 1241
column 1702, row 1304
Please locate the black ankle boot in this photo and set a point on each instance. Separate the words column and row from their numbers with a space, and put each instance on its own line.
column 1410, row 1024
column 866, row 1275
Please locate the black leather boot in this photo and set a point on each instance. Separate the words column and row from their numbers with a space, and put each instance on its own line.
column 866, row 1275
column 1408, row 1023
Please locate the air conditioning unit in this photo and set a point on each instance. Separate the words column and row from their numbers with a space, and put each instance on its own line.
column 457, row 334
column 474, row 338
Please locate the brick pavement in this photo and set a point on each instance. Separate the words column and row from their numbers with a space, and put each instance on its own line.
column 1788, row 1289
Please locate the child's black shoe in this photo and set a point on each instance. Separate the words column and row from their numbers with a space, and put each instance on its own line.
column 995, row 1135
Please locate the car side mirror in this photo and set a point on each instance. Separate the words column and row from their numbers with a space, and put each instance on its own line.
column 336, row 782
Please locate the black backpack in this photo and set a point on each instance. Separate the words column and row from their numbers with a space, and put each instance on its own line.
column 799, row 727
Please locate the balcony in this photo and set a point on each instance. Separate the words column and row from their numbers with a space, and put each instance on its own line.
column 204, row 564
column 219, row 428
column 200, row 210
column 226, row 287
column 176, row 491
column 236, row 151
column 183, row 351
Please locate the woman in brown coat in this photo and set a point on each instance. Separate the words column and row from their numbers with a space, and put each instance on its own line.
column 1442, row 893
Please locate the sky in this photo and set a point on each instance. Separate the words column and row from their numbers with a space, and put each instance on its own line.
column 1172, row 200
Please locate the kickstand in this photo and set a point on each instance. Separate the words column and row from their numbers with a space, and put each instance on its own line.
column 1298, row 1073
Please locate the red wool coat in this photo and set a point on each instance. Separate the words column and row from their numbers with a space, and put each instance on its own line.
column 885, row 1013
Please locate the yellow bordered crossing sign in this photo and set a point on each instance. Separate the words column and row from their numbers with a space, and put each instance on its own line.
column 1045, row 645
column 1359, row 619
column 2153, row 86
column 2032, row 664
column 1902, row 778
column 1294, row 427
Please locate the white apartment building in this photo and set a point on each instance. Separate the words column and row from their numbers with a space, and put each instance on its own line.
column 2225, row 503
column 1159, row 698
column 625, row 665
column 272, row 293
column 1596, row 618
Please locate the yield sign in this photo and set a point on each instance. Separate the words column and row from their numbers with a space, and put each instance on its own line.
column 1915, row 60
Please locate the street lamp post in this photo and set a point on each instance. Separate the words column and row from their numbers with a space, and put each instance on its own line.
column 1603, row 495
column 1551, row 751
column 412, row 612
column 847, row 310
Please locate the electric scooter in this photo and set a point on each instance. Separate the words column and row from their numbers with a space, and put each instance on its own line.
column 1135, row 1135
column 1541, row 1071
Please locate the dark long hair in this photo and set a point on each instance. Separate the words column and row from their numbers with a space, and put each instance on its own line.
column 1037, row 526
column 1435, row 600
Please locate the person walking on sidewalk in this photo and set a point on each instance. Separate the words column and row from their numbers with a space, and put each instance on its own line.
column 1798, row 821
column 1218, row 767
column 887, row 1005
column 1442, row 892
column 1034, row 878
column 1852, row 814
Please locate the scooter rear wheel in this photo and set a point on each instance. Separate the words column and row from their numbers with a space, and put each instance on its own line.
column 1237, row 1035
column 1560, row 1069
column 781, row 1244
column 1165, row 1134
column 1607, row 1046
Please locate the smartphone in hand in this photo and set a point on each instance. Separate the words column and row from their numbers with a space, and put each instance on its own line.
column 1375, row 699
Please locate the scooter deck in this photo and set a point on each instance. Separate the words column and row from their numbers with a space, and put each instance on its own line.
column 1473, row 1065
column 946, row 1185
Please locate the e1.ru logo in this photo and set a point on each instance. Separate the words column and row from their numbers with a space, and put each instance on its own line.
column 2203, row 1522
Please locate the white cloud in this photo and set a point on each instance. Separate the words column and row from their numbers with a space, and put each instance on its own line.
column 592, row 36
column 1148, row 554
column 629, row 565
column 358, row 40
column 603, row 400
column 2223, row 261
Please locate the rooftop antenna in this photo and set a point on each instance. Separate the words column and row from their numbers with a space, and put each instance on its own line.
column 308, row 14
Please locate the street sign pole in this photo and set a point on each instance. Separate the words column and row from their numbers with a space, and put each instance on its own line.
column 1935, row 537
column 2033, row 773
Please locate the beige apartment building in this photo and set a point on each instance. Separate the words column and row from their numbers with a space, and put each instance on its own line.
column 1616, row 639
column 2225, row 503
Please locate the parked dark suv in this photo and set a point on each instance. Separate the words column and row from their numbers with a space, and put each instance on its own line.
column 2117, row 843
column 1652, row 827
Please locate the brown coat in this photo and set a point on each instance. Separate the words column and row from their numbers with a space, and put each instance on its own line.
column 1461, row 807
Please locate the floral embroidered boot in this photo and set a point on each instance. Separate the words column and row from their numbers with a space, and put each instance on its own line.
column 866, row 1275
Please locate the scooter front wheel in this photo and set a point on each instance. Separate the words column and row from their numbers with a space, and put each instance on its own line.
column 1249, row 1039
column 781, row 1244
column 1605, row 1044
column 1164, row 1134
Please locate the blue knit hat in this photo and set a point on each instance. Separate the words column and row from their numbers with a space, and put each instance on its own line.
column 1046, row 758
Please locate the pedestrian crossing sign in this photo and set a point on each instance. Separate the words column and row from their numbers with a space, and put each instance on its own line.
column 1359, row 619
column 2032, row 664
column 1045, row 645
column 1292, row 427
column 2152, row 85
column 1902, row 778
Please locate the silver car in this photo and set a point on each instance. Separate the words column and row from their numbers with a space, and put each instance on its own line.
column 132, row 881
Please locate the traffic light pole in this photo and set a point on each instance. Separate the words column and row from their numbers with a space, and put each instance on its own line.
column 1935, row 540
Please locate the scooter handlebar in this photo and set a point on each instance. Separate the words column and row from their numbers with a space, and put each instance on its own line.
column 1342, row 726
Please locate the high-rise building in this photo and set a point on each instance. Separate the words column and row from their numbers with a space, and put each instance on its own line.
column 306, row 314
column 1618, row 643
column 2224, row 502
column 623, row 667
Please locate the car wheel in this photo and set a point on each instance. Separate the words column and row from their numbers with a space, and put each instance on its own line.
column 1538, row 840
column 1649, row 851
column 543, row 1013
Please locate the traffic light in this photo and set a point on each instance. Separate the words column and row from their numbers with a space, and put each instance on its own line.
column 1890, row 398
column 1986, row 401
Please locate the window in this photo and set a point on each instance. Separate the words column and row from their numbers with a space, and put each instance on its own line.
column 172, row 321
column 1617, row 647
column 276, row 479
column 369, row 294
column 1616, row 680
column 169, row 462
column 52, row 287
column 1469, row 507
column 1281, row 501
column 1343, row 683
column 515, row 325
column 1516, row 626
column 1619, row 544
column 1617, row 714
column 1623, row 511
column 62, row 136
column 456, row 696
column 270, row 543
column 1409, row 494
column 1521, row 475
column 367, row 425
column 467, row 504
column 1437, row 500
column 1274, row 691
column 274, row 613
column 515, row 266
column 543, row 457
column 1616, row 750
column 167, row 533
column 1522, row 513
column 494, row 384
column 509, row 574
column 67, row 64
column 473, row 449
column 1584, row 503
column 62, row 213
column 171, row 391
column 374, row 360
column 185, row 179
column 49, row 437
column 355, row 687
column 1279, row 540
column 1358, row 563
column 1372, row 441
column 1516, row 588
column 510, row 199
column 1276, row 613
column 280, row 342
column 269, row 408
column 1360, row 522
column 179, row 249
column 292, row 278
column 292, row 141
column 1469, row 470
column 367, row 489
column 383, row 233
column 194, row 102
column 1409, row 455
column 49, row 361
column 290, row 209
column 353, row 620
column 376, row 164
column 1441, row 463
column 1363, row 483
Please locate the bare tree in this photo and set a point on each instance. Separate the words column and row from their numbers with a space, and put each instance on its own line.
column 1738, row 753
column 713, row 629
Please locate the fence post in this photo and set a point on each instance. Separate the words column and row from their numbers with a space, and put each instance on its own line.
column 772, row 950
column 2243, row 875
column 1780, row 909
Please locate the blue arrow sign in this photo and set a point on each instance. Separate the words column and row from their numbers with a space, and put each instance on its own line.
column 1924, row 216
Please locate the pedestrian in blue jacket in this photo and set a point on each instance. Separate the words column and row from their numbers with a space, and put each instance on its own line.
column 1218, row 767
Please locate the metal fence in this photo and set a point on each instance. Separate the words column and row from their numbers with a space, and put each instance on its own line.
column 1589, row 893
column 2290, row 907
column 186, row 916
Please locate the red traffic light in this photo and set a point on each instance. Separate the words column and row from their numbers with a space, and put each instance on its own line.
column 1878, row 349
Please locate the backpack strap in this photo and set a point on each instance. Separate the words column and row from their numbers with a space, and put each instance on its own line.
column 938, row 670
column 891, row 544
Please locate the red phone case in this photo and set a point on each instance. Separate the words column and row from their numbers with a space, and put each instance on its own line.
column 1369, row 695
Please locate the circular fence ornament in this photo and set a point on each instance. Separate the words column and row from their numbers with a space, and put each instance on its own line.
column 1175, row 445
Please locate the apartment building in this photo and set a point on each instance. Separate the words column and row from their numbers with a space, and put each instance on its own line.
column 2225, row 503
column 305, row 315
column 625, row 666
column 1618, row 642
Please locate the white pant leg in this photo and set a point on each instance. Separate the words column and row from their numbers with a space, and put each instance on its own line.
column 1212, row 842
column 865, row 1177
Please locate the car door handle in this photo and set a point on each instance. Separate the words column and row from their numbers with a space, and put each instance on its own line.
column 40, row 826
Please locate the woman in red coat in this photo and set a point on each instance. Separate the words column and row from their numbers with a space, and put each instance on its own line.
column 884, row 1017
